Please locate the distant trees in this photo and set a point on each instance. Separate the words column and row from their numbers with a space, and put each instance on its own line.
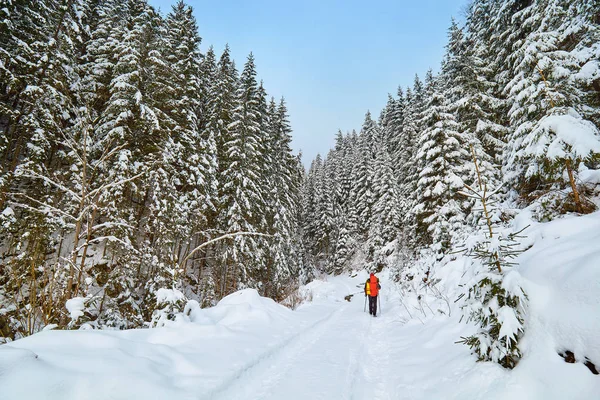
column 514, row 80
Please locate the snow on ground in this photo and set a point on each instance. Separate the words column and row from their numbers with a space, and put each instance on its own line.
column 248, row 347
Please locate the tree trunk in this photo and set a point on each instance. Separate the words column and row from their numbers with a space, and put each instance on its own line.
column 574, row 186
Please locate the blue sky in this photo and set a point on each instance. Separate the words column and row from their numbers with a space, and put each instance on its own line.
column 332, row 60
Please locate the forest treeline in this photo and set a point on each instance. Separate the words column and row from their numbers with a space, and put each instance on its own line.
column 123, row 148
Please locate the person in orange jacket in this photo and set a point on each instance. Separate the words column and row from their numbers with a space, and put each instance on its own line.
column 372, row 287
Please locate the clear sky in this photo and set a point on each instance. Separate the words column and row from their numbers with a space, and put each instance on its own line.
column 332, row 60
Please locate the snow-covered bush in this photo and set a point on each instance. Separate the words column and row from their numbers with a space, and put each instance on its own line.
column 76, row 307
column 169, row 303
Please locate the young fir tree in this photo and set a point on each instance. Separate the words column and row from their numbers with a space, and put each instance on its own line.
column 495, row 299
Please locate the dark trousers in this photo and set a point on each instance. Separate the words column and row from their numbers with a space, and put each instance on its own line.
column 373, row 305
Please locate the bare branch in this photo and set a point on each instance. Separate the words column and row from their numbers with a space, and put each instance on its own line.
column 223, row 237
column 118, row 183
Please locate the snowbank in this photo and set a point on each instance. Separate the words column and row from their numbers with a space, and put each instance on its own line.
column 562, row 279
column 186, row 359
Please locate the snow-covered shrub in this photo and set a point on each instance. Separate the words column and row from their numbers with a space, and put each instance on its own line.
column 76, row 307
column 297, row 297
column 423, row 294
column 169, row 303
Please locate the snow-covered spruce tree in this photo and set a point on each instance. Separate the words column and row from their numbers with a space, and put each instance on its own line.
column 362, row 175
column 495, row 301
column 40, row 50
column 343, row 246
column 443, row 162
column 559, row 143
column 407, row 164
column 398, row 141
column 346, row 216
column 282, row 200
column 242, row 199
column 310, row 210
column 325, row 224
column 385, row 218
column 219, row 81
column 291, row 176
column 222, row 80
column 485, row 107
column 180, row 190
column 550, row 66
column 137, row 127
column 467, row 101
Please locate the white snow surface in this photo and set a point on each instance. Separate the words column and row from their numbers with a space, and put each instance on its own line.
column 249, row 347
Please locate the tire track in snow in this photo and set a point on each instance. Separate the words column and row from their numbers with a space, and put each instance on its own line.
column 255, row 379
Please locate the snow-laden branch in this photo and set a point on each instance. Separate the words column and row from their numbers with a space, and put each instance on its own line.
column 36, row 175
column 48, row 207
column 111, row 238
column 223, row 237
column 118, row 183
column 108, row 154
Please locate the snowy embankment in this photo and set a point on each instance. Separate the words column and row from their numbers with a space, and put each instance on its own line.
column 248, row 347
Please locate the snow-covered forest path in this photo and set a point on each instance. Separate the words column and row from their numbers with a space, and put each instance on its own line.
column 347, row 354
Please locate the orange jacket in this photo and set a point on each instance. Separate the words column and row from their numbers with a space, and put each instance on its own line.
column 372, row 286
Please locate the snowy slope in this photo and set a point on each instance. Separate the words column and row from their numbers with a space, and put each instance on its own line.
column 248, row 347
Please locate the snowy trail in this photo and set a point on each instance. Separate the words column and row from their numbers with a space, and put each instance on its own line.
column 271, row 366
column 349, row 355
column 346, row 355
column 323, row 361
column 250, row 348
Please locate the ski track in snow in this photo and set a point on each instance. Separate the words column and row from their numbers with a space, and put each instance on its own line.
column 345, row 355
column 255, row 379
column 352, row 346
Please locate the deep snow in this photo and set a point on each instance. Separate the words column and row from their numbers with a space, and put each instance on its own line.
column 248, row 347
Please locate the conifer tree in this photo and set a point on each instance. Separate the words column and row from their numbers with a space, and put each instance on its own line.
column 385, row 219
column 241, row 195
column 442, row 157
